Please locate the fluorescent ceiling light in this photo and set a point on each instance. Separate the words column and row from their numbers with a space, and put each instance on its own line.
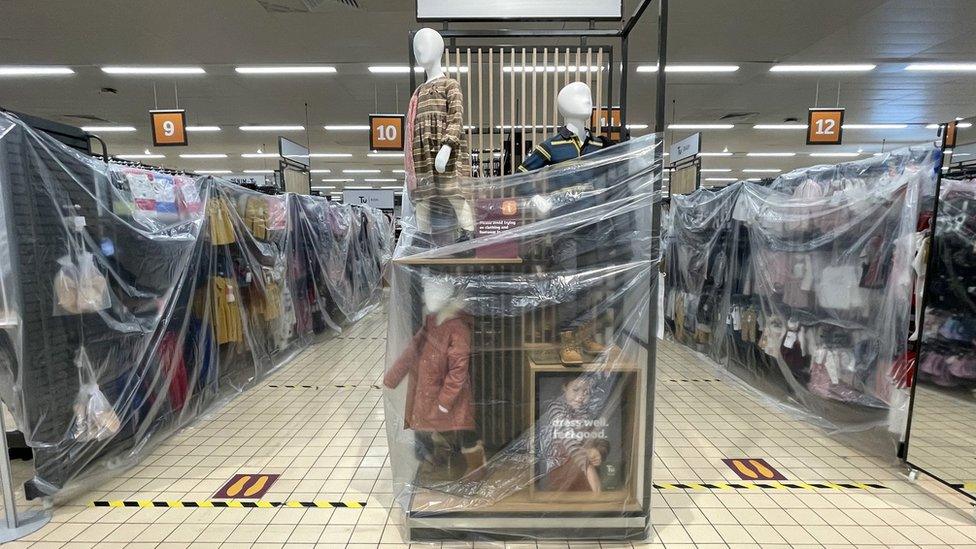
column 836, row 154
column 106, row 129
column 700, row 126
column 204, row 155
column 959, row 125
column 259, row 155
column 203, row 128
column 361, row 171
column 153, row 70
column 360, row 187
column 771, row 154
column 392, row 187
column 689, row 68
column 550, row 68
column 346, row 127
column 322, row 188
column 762, row 170
column 16, row 70
column 720, row 179
column 258, row 171
column 398, row 171
column 288, row 69
column 716, row 170
column 213, row 171
column 785, row 67
column 875, row 126
column 281, row 128
column 384, row 155
column 392, row 69
column 953, row 67
column 379, row 180
column 637, row 126
column 723, row 153
column 331, row 155
column 320, row 171
column 140, row 156
column 779, row 126
column 754, row 179
column 340, row 180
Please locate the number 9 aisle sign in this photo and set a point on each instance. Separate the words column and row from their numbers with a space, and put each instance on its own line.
column 168, row 128
column 386, row 132
column 825, row 126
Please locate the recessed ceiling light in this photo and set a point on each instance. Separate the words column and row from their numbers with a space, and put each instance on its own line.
column 784, row 67
column 379, row 180
column 779, row 126
column 771, row 154
column 953, row 67
column 689, row 68
column 385, row 155
column 836, row 154
column 288, row 69
column 279, row 128
column 875, row 126
column 330, row 155
column 16, row 70
column 723, row 153
column 761, row 170
column 140, row 156
column 106, row 129
column 392, row 69
column 707, row 170
column 153, row 70
column 258, row 171
column 213, row 171
column 360, row 171
column 320, row 171
column 203, row 155
column 720, row 179
column 260, row 155
column 346, row 127
column 339, row 180
column 700, row 126
column 203, row 128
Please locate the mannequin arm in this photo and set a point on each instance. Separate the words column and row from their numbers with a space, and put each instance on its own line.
column 402, row 366
column 442, row 158
column 455, row 126
column 458, row 356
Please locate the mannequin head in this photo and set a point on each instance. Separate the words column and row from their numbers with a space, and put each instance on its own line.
column 438, row 294
column 428, row 48
column 575, row 106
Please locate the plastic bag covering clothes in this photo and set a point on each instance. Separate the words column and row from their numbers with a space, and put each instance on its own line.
column 210, row 287
column 485, row 418
column 803, row 289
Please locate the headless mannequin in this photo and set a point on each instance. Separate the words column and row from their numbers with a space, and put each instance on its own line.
column 428, row 48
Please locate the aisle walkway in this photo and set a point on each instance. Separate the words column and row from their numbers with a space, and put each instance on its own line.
column 319, row 425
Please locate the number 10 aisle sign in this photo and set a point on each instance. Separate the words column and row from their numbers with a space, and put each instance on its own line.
column 386, row 132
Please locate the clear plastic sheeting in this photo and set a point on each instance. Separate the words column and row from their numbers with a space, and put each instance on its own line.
column 804, row 288
column 517, row 359
column 135, row 301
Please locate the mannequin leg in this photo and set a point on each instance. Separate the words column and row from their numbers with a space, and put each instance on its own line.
column 422, row 212
column 564, row 255
column 465, row 216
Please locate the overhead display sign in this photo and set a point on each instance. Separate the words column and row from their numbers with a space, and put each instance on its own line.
column 825, row 126
column 501, row 10
column 386, row 132
column 247, row 179
column 289, row 150
column 382, row 199
column 687, row 147
column 168, row 128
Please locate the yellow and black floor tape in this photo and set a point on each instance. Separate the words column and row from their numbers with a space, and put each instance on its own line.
column 768, row 486
column 234, row 504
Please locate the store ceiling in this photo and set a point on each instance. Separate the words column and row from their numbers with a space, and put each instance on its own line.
column 221, row 34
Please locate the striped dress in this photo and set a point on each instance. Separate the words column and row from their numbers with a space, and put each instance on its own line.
column 438, row 121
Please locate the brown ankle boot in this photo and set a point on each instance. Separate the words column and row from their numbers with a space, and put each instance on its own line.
column 589, row 342
column 569, row 351
column 475, row 460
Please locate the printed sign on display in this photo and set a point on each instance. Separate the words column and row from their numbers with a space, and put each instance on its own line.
column 168, row 128
column 687, row 147
column 382, row 199
column 386, row 132
column 495, row 216
column 825, row 126
column 247, row 179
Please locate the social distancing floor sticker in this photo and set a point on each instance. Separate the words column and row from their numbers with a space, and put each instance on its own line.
column 753, row 469
column 246, row 486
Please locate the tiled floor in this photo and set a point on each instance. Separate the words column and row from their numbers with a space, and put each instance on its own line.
column 319, row 424
column 943, row 439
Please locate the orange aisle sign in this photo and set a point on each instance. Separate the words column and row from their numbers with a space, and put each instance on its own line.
column 825, row 126
column 246, row 486
column 949, row 138
column 753, row 469
column 386, row 132
column 168, row 128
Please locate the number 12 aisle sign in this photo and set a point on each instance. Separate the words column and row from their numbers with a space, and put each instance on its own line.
column 386, row 132
column 825, row 126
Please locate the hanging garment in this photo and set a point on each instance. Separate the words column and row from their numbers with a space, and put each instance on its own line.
column 219, row 221
column 438, row 121
column 563, row 146
column 174, row 368
column 225, row 310
column 437, row 363
column 839, row 288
